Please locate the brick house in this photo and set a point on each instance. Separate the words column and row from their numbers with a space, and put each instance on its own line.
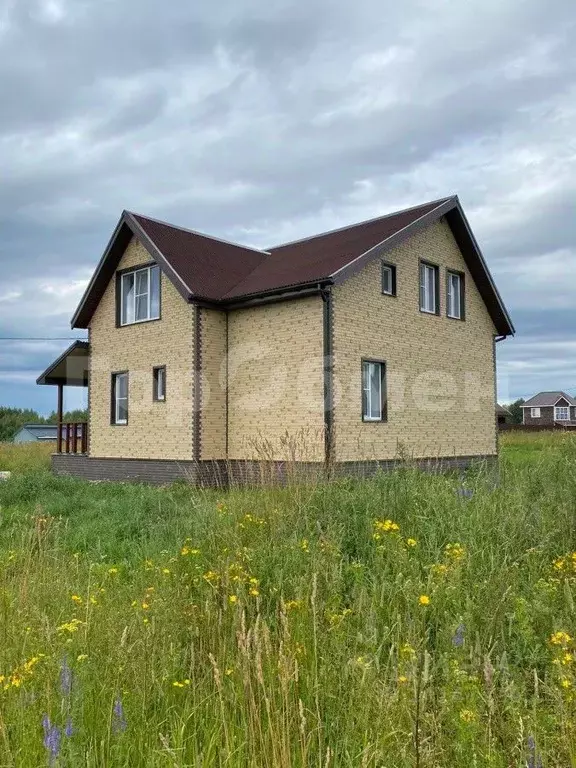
column 342, row 352
column 550, row 409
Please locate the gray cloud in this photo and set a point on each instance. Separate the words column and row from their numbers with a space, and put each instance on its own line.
column 266, row 122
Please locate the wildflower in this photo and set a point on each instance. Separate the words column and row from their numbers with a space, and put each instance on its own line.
column 188, row 551
column 291, row 605
column 561, row 638
column 386, row 526
column 458, row 639
column 402, row 680
column 467, row 716
column 66, row 678
column 166, row 571
column 229, row 672
column 439, row 569
column 52, row 738
column 82, row 657
column 68, row 728
column 565, row 683
column 212, row 577
column 233, row 599
column 112, row 571
column 119, row 723
column 559, row 564
column 254, row 592
column 304, row 545
column 77, row 599
column 424, row 600
column 411, row 542
column 70, row 626
column 454, row 551
column 407, row 650
column 178, row 684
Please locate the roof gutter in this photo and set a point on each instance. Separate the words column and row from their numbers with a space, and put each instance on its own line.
column 309, row 289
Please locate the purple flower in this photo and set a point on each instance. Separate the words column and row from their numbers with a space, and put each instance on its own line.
column 458, row 639
column 66, row 679
column 69, row 728
column 534, row 760
column 52, row 738
column 119, row 723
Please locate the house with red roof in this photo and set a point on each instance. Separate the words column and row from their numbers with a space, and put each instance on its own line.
column 340, row 354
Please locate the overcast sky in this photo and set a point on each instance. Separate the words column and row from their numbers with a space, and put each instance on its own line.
column 264, row 121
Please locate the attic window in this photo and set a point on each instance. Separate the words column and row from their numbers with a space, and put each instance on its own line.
column 139, row 295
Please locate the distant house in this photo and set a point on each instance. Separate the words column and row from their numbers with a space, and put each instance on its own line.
column 31, row 433
column 550, row 409
column 503, row 415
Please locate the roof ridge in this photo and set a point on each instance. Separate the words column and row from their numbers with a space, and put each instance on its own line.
column 200, row 234
column 363, row 223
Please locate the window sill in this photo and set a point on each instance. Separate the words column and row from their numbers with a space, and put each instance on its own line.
column 138, row 322
column 452, row 317
column 374, row 421
column 429, row 312
column 392, row 295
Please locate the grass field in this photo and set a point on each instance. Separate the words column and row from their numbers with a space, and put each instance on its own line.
column 390, row 623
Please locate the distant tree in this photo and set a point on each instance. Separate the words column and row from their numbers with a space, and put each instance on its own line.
column 76, row 416
column 516, row 410
column 13, row 419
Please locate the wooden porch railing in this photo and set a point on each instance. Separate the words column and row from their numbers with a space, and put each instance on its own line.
column 72, row 437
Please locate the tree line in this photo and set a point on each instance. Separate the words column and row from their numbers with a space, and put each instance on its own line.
column 13, row 419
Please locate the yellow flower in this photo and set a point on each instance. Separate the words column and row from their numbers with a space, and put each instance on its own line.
column 388, row 526
column 178, row 684
column 254, row 592
column 411, row 542
column 559, row 564
column 166, row 571
column 440, row 569
column 567, row 659
column 229, row 672
column 402, row 680
column 467, row 716
column 70, row 626
column 77, row 599
column 407, row 650
column 304, row 545
column 455, row 551
column 112, row 571
column 189, row 551
column 232, row 599
column 565, row 683
column 424, row 600
column 293, row 604
column 561, row 638
column 82, row 657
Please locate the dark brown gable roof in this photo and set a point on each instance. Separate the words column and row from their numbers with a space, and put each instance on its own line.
column 318, row 258
column 208, row 266
column 224, row 274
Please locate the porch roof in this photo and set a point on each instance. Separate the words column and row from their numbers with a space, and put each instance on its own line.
column 70, row 369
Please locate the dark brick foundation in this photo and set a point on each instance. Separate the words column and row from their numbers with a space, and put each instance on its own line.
column 223, row 474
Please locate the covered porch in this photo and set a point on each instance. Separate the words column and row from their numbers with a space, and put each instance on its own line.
column 69, row 370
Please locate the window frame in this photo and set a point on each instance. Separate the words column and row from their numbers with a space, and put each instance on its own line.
column 383, row 419
column 423, row 264
column 386, row 265
column 462, row 277
column 155, row 380
column 114, row 421
column 533, row 414
column 120, row 278
column 561, row 408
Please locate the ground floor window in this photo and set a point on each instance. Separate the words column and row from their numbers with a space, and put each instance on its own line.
column 562, row 413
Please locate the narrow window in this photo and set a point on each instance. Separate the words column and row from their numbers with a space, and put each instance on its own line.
column 455, row 295
column 374, row 400
column 535, row 413
column 429, row 289
column 140, row 295
column 120, row 398
column 388, row 279
column 561, row 413
column 160, row 383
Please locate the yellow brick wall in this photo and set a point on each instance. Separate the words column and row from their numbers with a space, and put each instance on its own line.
column 213, row 421
column 441, row 383
column 154, row 430
column 276, row 407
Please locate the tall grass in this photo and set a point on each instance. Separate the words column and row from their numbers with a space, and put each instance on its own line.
column 396, row 622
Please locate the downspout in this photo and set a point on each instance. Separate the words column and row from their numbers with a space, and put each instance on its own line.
column 328, row 350
column 197, row 437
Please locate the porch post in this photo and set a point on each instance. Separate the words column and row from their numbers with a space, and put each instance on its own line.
column 60, row 417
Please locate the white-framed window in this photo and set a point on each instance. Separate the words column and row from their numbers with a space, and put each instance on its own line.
column 388, row 279
column 140, row 295
column 561, row 413
column 429, row 285
column 120, row 398
column 160, row 383
column 455, row 295
column 374, row 401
